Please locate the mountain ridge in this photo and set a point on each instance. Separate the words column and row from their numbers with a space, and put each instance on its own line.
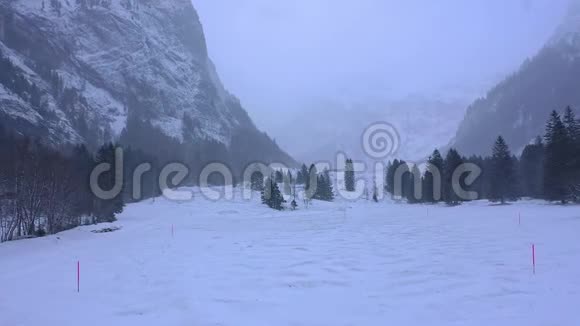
column 518, row 107
column 78, row 70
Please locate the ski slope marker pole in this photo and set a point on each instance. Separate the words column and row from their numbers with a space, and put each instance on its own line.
column 78, row 276
column 534, row 258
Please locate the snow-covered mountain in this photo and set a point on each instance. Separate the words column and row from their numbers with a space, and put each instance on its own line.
column 519, row 107
column 328, row 127
column 77, row 70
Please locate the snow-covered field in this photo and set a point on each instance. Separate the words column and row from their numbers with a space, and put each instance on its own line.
column 239, row 263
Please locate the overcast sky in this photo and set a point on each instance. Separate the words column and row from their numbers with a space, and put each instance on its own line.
column 272, row 52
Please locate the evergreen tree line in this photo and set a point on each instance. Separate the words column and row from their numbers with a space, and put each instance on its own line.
column 547, row 169
column 316, row 186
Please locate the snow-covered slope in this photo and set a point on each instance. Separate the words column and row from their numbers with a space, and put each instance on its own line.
column 76, row 69
column 342, row 263
column 519, row 107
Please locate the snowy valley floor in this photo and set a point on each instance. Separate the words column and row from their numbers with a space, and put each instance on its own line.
column 342, row 263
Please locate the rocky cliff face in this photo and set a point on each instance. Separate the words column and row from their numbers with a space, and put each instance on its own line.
column 519, row 107
column 77, row 70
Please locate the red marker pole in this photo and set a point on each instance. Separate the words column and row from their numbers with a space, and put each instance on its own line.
column 78, row 276
column 534, row 258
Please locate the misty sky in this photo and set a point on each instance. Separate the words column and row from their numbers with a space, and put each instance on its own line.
column 271, row 53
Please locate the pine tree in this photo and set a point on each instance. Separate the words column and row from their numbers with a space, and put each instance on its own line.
column 266, row 192
column 572, row 125
column 272, row 196
column 311, row 177
column 329, row 192
column 257, row 181
column 288, row 180
column 573, row 169
column 387, row 175
column 503, row 175
column 452, row 161
column 318, row 194
column 556, row 164
column 405, row 185
column 532, row 169
column 279, row 176
column 324, row 189
column 302, row 175
column 478, row 185
column 390, row 176
column 431, row 194
column 412, row 179
column 349, row 176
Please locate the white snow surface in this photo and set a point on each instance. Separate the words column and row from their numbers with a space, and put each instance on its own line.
column 342, row 263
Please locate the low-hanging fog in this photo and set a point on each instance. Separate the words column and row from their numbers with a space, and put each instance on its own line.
column 384, row 59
